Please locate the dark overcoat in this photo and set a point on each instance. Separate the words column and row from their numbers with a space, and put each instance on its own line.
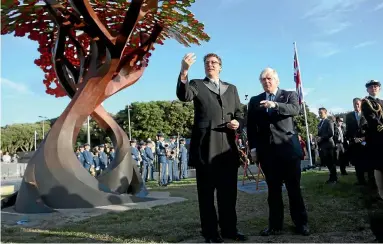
column 211, row 141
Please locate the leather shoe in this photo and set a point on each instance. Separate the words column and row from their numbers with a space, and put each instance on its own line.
column 215, row 239
column 271, row 231
column 303, row 230
column 238, row 236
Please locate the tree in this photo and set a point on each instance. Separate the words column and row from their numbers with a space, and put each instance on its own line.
column 312, row 121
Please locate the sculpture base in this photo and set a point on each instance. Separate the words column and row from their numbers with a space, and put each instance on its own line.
column 63, row 216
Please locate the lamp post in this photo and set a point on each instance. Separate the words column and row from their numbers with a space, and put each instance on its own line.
column 130, row 132
column 44, row 118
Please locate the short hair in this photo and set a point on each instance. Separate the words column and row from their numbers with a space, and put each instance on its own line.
column 357, row 99
column 213, row 55
column 269, row 70
column 324, row 109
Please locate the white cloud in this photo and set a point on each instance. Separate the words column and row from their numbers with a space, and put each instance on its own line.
column 324, row 49
column 332, row 16
column 379, row 6
column 365, row 44
column 14, row 86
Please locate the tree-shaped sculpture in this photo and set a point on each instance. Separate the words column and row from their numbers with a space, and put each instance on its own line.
column 90, row 50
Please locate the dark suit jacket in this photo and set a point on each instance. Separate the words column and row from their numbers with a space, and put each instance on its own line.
column 326, row 133
column 211, row 141
column 353, row 129
column 273, row 134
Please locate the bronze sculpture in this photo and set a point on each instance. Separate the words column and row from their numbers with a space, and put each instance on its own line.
column 54, row 178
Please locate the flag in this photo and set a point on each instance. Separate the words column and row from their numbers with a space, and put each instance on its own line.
column 297, row 77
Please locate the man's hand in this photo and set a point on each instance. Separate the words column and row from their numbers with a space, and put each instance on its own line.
column 234, row 124
column 186, row 63
column 268, row 104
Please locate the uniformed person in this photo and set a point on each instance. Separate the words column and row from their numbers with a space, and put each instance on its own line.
column 135, row 153
column 112, row 154
column 183, row 157
column 173, row 161
column 149, row 155
column 103, row 157
column 96, row 163
column 372, row 111
column 162, row 160
column 88, row 157
column 80, row 155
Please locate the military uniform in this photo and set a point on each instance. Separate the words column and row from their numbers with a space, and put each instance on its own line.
column 183, row 157
column 103, row 158
column 135, row 153
column 88, row 159
column 150, row 156
column 162, row 160
column 372, row 111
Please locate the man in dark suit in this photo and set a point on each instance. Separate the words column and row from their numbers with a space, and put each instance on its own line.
column 355, row 134
column 275, row 144
column 372, row 109
column 213, row 152
column 326, row 144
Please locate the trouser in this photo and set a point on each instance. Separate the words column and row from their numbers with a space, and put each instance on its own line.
column 163, row 165
column 327, row 158
column 379, row 181
column 144, row 171
column 358, row 158
column 175, row 170
column 170, row 170
column 223, row 179
column 184, row 169
column 289, row 172
column 340, row 157
column 150, row 170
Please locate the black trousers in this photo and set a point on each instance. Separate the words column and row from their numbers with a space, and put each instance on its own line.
column 359, row 158
column 289, row 172
column 327, row 158
column 223, row 179
column 340, row 157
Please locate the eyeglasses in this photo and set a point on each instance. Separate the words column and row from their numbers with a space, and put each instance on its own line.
column 212, row 62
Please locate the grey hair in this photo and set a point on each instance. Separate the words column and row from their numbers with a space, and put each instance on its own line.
column 271, row 71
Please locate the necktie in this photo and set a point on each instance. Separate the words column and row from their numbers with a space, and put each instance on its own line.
column 270, row 98
column 357, row 115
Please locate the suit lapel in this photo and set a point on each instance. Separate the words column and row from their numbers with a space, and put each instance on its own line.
column 222, row 86
column 279, row 96
column 209, row 85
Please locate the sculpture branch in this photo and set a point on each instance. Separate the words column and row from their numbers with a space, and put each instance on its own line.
column 83, row 8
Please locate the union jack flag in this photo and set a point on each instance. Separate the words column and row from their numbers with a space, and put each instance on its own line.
column 297, row 77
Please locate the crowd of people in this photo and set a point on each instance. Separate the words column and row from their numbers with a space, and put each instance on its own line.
column 170, row 155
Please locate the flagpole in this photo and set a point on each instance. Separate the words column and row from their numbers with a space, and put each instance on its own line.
column 304, row 108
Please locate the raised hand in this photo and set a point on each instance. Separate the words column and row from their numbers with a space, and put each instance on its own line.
column 187, row 62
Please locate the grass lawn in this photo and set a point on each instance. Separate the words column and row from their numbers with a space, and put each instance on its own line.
column 336, row 214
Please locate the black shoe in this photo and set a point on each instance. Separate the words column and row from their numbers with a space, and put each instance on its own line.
column 214, row 239
column 270, row 231
column 238, row 236
column 303, row 230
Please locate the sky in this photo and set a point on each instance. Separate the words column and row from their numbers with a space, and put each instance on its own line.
column 339, row 42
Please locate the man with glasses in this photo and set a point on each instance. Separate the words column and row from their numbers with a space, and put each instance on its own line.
column 213, row 152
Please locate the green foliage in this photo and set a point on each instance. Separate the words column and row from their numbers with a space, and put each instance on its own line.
column 146, row 119
column 312, row 121
column 21, row 137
